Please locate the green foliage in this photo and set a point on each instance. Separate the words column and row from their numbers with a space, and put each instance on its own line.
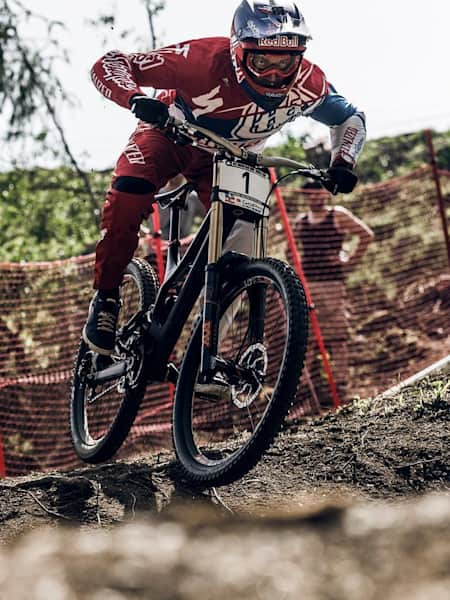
column 388, row 157
column 381, row 159
column 30, row 91
column 44, row 214
column 292, row 148
column 47, row 215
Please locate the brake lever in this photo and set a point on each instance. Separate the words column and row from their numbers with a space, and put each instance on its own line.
column 322, row 176
column 171, row 129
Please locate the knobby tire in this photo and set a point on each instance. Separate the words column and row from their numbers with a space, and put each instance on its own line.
column 94, row 450
column 194, row 466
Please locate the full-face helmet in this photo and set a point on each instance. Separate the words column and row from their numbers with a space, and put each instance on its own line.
column 268, row 39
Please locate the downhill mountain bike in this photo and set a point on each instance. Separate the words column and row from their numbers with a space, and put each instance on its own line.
column 248, row 319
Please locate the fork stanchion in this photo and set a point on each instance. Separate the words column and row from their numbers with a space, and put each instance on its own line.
column 2, row 460
column 299, row 270
column 157, row 242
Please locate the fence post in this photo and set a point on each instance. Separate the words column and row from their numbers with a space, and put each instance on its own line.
column 2, row 460
column 440, row 196
column 309, row 300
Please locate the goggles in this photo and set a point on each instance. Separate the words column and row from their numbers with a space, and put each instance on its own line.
column 263, row 65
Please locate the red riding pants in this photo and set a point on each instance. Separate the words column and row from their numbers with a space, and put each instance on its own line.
column 151, row 156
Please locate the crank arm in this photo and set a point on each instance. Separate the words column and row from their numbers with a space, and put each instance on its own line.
column 115, row 371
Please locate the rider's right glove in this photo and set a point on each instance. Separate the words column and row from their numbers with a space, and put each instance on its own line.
column 150, row 110
column 341, row 179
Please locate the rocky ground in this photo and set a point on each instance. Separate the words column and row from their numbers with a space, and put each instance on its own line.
column 351, row 505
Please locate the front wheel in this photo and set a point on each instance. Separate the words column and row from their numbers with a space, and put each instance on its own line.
column 102, row 412
column 222, row 428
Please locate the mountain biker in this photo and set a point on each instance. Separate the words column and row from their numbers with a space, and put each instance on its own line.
column 245, row 88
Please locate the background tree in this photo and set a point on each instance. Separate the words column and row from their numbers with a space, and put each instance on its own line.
column 109, row 20
column 153, row 8
column 45, row 214
column 30, row 90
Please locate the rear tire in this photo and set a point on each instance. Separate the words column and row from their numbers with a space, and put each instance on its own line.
column 101, row 416
column 219, row 438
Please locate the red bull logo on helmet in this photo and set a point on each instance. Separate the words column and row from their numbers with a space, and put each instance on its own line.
column 279, row 41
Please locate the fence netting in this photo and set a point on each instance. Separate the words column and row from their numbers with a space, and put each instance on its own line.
column 396, row 307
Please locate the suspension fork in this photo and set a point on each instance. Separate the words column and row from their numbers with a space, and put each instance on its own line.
column 210, row 325
column 257, row 293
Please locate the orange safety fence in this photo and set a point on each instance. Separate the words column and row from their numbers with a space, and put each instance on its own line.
column 297, row 265
column 397, row 300
column 397, row 312
column 2, row 460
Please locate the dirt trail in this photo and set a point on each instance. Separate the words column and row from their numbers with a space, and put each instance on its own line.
column 355, row 504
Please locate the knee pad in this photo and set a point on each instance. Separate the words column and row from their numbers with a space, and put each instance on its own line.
column 133, row 185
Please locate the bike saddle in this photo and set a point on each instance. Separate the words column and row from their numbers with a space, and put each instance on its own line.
column 176, row 197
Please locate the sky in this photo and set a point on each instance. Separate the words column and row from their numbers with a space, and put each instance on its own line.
column 389, row 57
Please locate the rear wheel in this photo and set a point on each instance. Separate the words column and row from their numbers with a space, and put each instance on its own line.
column 221, row 429
column 102, row 413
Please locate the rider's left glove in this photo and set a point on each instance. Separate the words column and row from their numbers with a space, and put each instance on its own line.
column 150, row 110
column 340, row 180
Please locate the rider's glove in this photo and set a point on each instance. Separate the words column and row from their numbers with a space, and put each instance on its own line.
column 340, row 179
column 150, row 110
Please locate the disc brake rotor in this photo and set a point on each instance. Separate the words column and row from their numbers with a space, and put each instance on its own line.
column 255, row 360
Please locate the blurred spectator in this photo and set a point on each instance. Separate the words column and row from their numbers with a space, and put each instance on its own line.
column 322, row 232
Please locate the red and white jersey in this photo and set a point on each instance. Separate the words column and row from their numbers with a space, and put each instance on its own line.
column 200, row 82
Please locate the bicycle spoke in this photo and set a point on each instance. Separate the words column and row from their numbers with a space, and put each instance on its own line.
column 103, row 393
column 250, row 418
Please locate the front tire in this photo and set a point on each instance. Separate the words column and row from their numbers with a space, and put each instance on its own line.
column 220, row 431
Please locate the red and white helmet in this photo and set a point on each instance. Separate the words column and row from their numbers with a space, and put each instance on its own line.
column 268, row 39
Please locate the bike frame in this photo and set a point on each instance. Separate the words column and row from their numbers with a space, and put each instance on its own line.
column 200, row 267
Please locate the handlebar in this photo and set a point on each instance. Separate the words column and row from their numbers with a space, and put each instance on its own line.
column 196, row 133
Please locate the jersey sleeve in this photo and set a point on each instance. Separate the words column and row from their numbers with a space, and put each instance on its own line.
column 347, row 126
column 119, row 76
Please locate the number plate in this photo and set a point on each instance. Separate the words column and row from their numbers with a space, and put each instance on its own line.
column 244, row 186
